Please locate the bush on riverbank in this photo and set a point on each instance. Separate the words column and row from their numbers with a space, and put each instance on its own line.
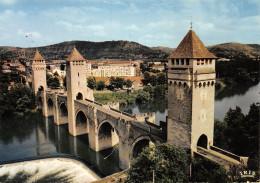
column 121, row 97
column 18, row 100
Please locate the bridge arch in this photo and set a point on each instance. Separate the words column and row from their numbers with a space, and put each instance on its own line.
column 50, row 104
column 139, row 144
column 107, row 135
column 203, row 141
column 81, row 119
column 41, row 88
column 63, row 110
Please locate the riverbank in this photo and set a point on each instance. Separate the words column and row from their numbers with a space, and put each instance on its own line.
column 47, row 170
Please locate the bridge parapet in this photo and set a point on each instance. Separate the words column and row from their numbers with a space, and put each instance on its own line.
column 243, row 160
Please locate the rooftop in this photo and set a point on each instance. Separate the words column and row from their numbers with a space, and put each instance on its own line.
column 191, row 47
column 75, row 56
column 37, row 56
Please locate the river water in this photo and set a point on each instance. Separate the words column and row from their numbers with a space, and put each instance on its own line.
column 229, row 97
column 36, row 136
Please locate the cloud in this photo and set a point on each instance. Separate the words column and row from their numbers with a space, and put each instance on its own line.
column 7, row 2
column 132, row 27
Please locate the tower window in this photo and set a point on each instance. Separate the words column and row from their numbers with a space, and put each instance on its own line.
column 177, row 61
column 206, row 61
column 172, row 61
column 202, row 62
column 78, row 74
column 210, row 61
column 198, row 61
column 182, row 61
column 187, row 61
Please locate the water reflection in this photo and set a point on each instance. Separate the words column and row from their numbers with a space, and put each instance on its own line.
column 37, row 136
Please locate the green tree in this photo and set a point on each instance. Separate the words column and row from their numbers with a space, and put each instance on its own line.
column 149, row 89
column 91, row 83
column 128, row 83
column 143, row 97
column 162, row 79
column 153, row 80
column 204, row 170
column 18, row 100
column 168, row 162
column 146, row 79
column 119, row 82
column 53, row 82
column 101, row 85
column 159, row 91
column 220, row 129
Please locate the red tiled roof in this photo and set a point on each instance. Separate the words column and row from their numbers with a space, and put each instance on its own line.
column 191, row 47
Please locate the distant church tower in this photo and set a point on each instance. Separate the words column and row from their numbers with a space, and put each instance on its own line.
column 38, row 73
column 76, row 76
column 191, row 81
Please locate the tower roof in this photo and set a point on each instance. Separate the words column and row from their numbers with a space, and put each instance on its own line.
column 191, row 47
column 37, row 56
column 75, row 56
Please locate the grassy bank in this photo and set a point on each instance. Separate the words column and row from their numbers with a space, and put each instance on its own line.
column 121, row 97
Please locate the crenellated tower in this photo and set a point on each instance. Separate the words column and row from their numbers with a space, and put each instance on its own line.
column 191, row 81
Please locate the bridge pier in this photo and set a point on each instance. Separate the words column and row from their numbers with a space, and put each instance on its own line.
column 93, row 132
column 44, row 104
column 56, row 110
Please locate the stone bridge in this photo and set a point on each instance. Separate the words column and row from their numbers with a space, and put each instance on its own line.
column 106, row 127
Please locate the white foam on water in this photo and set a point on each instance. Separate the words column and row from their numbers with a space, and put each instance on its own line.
column 70, row 169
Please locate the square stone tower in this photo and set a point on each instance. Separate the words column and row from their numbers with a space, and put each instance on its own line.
column 38, row 73
column 191, row 81
column 76, row 76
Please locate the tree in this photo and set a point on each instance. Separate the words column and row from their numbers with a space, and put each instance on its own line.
column 168, row 162
column 101, row 85
column 204, row 170
column 149, row 89
column 146, row 79
column 143, row 97
column 153, row 80
column 91, row 83
column 18, row 100
column 53, row 82
column 162, row 79
column 159, row 91
column 128, row 83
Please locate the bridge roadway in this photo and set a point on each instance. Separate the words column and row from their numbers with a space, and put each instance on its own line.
column 217, row 157
column 147, row 127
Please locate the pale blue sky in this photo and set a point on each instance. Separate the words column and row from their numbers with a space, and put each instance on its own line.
column 29, row 23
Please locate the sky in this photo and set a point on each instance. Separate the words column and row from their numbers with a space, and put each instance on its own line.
column 30, row 23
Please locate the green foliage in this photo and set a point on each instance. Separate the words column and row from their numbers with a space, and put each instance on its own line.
column 146, row 79
column 149, row 89
column 101, row 85
column 162, row 79
column 18, row 100
column 121, row 97
column 116, row 82
column 240, row 133
column 53, row 82
column 168, row 162
column 242, row 69
column 128, row 83
column 153, row 80
column 204, row 170
column 160, row 91
column 91, row 83
column 143, row 97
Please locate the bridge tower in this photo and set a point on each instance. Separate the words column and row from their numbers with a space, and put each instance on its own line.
column 191, row 81
column 76, row 73
column 39, row 83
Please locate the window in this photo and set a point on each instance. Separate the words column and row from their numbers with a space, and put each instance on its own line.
column 182, row 61
column 177, row 61
column 210, row 61
column 198, row 61
column 206, row 61
column 172, row 61
column 202, row 62
column 187, row 61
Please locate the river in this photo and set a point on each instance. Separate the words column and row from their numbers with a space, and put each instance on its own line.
column 36, row 136
column 240, row 95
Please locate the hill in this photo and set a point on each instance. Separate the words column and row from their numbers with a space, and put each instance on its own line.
column 229, row 50
column 121, row 50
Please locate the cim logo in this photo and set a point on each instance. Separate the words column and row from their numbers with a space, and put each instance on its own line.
column 246, row 173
